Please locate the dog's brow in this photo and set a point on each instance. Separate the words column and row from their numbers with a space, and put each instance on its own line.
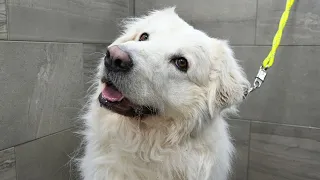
column 176, row 55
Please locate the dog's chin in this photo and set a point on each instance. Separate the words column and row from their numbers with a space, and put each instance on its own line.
column 111, row 98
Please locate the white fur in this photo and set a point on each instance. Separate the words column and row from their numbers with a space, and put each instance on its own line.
column 189, row 139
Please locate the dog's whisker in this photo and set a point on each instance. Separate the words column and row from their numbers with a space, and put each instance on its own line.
column 102, row 54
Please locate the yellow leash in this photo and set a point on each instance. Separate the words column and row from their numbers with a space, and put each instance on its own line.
column 269, row 60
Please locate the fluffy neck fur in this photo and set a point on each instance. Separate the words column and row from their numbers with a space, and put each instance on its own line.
column 123, row 148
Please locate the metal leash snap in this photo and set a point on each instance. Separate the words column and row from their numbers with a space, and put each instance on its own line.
column 259, row 79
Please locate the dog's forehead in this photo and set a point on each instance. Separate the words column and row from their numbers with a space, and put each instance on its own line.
column 166, row 20
column 167, row 24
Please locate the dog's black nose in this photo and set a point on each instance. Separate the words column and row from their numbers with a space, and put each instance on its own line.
column 117, row 60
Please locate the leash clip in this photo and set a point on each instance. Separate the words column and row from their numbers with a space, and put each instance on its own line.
column 259, row 79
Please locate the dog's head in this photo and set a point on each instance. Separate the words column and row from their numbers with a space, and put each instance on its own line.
column 162, row 66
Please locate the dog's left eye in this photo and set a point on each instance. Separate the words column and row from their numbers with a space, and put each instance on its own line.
column 144, row 37
column 181, row 63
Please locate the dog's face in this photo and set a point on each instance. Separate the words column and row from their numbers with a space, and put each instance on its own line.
column 162, row 66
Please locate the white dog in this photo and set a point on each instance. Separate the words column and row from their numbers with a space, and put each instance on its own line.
column 157, row 112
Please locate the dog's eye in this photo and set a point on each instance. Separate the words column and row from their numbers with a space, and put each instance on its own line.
column 144, row 37
column 181, row 63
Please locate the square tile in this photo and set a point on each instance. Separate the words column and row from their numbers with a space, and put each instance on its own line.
column 284, row 152
column 217, row 18
column 3, row 20
column 303, row 26
column 61, row 98
column 66, row 20
column 41, row 85
column 48, row 158
column 291, row 91
column 240, row 132
column 7, row 164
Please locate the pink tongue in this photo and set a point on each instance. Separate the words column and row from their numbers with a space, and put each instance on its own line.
column 111, row 94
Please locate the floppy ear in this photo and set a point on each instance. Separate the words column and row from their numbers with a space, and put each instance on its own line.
column 228, row 81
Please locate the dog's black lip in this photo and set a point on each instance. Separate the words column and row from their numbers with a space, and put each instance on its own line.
column 106, row 81
column 111, row 106
column 143, row 111
column 138, row 111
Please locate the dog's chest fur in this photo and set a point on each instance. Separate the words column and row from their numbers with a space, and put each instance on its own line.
column 117, row 149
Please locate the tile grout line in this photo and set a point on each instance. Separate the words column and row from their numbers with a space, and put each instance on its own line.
column 269, row 45
column 56, row 42
column 6, row 6
column 274, row 123
column 52, row 134
column 101, row 43
column 249, row 150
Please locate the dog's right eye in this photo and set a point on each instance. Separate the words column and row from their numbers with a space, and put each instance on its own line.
column 181, row 63
column 144, row 37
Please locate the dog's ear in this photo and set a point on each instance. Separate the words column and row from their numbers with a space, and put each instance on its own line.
column 227, row 78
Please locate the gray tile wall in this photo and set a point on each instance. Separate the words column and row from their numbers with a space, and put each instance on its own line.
column 291, row 93
column 284, row 152
column 49, row 47
column 303, row 24
column 43, row 80
column 41, row 85
column 240, row 131
column 48, row 158
column 65, row 20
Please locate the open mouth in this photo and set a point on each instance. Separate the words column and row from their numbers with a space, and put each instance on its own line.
column 112, row 99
